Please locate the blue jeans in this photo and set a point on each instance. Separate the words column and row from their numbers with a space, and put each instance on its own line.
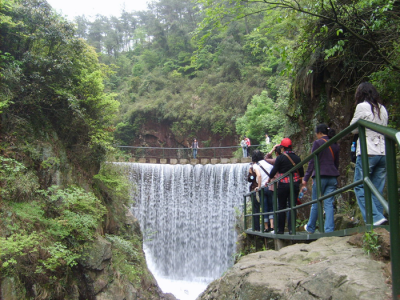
column 377, row 174
column 194, row 153
column 328, row 185
column 268, row 206
column 244, row 151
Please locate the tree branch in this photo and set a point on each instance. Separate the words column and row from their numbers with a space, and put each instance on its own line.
column 286, row 5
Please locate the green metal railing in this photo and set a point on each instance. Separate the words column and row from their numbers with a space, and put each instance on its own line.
column 392, row 137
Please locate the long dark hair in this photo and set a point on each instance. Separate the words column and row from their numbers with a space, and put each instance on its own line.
column 367, row 92
column 324, row 129
column 257, row 156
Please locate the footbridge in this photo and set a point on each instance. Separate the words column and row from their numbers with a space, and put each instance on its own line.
column 164, row 155
column 390, row 203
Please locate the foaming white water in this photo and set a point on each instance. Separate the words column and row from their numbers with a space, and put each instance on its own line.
column 187, row 216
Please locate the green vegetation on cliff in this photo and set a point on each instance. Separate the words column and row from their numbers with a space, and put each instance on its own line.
column 55, row 132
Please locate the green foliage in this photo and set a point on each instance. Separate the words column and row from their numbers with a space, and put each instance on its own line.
column 126, row 258
column 112, row 181
column 16, row 181
column 50, row 78
column 371, row 243
column 263, row 115
column 51, row 228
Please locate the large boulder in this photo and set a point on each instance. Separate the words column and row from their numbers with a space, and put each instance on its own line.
column 329, row 268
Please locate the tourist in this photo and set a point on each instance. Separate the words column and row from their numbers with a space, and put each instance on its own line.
column 267, row 140
column 329, row 171
column 262, row 170
column 248, row 144
column 195, row 146
column 283, row 164
column 244, row 146
column 369, row 108
column 255, row 203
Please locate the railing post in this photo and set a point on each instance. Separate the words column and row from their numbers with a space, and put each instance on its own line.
column 292, row 204
column 394, row 220
column 320, row 209
column 253, row 225
column 365, row 169
column 275, row 206
column 244, row 212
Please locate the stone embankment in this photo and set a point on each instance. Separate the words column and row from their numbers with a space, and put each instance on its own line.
column 329, row 268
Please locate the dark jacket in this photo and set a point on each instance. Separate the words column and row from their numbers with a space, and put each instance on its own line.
column 283, row 164
column 329, row 166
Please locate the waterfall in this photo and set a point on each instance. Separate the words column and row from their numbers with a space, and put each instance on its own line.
column 187, row 215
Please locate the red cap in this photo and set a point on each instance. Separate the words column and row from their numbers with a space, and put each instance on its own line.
column 286, row 142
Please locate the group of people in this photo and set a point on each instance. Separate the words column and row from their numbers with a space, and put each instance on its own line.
column 265, row 169
column 245, row 144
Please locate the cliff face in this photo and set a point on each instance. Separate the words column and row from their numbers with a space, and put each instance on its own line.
column 156, row 134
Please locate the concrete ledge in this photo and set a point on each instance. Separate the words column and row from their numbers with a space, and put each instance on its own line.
column 205, row 161
column 225, row 160
column 235, row 160
column 214, row 161
column 183, row 161
column 132, row 159
column 142, row 160
column 245, row 159
column 194, row 161
column 163, row 160
column 153, row 160
column 173, row 161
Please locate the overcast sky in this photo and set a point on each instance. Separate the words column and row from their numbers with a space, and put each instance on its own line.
column 73, row 8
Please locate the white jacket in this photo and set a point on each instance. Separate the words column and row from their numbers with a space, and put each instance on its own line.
column 375, row 141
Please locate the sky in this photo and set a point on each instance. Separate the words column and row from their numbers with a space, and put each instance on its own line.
column 73, row 8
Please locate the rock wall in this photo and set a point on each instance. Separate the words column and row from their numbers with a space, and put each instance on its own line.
column 329, row 268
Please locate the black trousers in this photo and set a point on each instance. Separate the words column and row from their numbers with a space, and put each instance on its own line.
column 284, row 202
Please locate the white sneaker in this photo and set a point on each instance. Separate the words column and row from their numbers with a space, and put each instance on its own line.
column 380, row 222
column 305, row 228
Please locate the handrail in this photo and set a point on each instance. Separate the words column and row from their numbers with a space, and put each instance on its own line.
column 184, row 148
column 182, row 152
column 392, row 137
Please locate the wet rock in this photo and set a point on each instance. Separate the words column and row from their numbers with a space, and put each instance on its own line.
column 343, row 222
column 97, row 255
column 329, row 268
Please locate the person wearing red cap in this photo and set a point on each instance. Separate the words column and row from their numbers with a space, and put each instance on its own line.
column 283, row 164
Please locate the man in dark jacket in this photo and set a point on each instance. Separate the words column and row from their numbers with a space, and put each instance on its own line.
column 284, row 163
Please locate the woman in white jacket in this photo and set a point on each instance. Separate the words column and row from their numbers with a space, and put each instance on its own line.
column 370, row 109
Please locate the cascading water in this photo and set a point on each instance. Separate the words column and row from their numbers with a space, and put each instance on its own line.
column 187, row 215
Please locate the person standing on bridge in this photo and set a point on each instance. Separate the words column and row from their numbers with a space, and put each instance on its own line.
column 370, row 109
column 195, row 146
column 244, row 146
column 248, row 144
column 329, row 171
column 284, row 163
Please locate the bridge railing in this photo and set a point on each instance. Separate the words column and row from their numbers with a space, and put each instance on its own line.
column 392, row 137
column 186, row 153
